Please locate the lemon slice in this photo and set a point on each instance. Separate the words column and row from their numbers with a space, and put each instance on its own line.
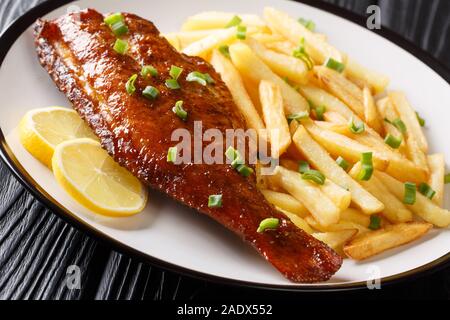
column 95, row 180
column 41, row 130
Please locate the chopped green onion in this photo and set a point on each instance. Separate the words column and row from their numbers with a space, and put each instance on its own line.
column 366, row 166
column 235, row 21
column 215, row 201
column 393, row 141
column 234, row 156
column 356, row 128
column 244, row 170
column 179, row 111
column 447, row 178
column 319, row 111
column 175, row 72
column 410, row 193
column 225, row 50
column 149, row 70
column 335, row 65
column 172, row 84
column 129, row 86
column 342, row 163
column 298, row 116
column 426, row 190
column 268, row 223
column 421, row 120
column 120, row 46
column 399, row 124
column 314, row 175
column 150, row 92
column 113, row 18
column 241, row 32
column 303, row 166
column 309, row 24
column 172, row 154
column 202, row 78
column 119, row 28
column 300, row 53
column 375, row 222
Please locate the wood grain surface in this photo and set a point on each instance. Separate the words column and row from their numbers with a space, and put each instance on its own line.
column 36, row 246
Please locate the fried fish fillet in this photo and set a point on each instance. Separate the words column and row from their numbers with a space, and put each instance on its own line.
column 77, row 52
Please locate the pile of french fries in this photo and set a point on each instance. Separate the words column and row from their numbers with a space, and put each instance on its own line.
column 271, row 85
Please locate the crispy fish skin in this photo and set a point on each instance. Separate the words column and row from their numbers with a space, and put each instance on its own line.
column 77, row 52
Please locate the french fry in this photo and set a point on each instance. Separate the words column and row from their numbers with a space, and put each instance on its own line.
column 274, row 117
column 233, row 80
column 371, row 112
column 342, row 88
column 285, row 202
column 316, row 47
column 337, row 194
column 423, row 207
column 355, row 216
column 341, row 225
column 267, row 38
column 394, row 210
column 185, row 38
column 321, row 160
column 284, row 47
column 409, row 117
column 173, row 40
column 323, row 209
column 436, row 162
column 254, row 68
column 214, row 20
column 376, row 80
column 415, row 153
column 205, row 45
column 336, row 239
column 289, row 164
column 283, row 65
column 372, row 243
column 335, row 127
column 296, row 220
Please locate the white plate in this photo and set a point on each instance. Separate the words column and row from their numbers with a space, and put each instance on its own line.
column 182, row 239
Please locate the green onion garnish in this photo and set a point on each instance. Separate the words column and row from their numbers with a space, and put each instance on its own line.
column 234, row 156
column 393, row 141
column 319, row 111
column 179, row 111
column 225, row 50
column 298, row 116
column 314, row 175
column 375, row 222
column 356, row 127
column 420, row 119
column 120, row 46
column 241, row 32
column 309, row 24
column 244, row 170
column 149, row 70
column 172, row 84
column 342, row 163
column 300, row 53
column 426, row 190
column 235, row 21
column 447, row 178
column 172, row 154
column 113, row 18
column 129, row 86
column 150, row 92
column 268, row 223
column 410, row 193
column 366, row 166
column 335, row 65
column 215, row 201
column 119, row 28
column 399, row 124
column 303, row 166
column 202, row 78
column 175, row 72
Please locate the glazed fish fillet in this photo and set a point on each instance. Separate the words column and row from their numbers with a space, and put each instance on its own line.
column 77, row 51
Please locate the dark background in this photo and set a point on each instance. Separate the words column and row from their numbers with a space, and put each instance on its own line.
column 36, row 246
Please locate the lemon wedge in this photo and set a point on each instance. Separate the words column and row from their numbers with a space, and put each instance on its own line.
column 94, row 179
column 41, row 130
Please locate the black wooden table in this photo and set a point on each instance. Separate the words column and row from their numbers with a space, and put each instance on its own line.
column 36, row 246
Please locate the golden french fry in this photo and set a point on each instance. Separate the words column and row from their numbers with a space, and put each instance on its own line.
column 415, row 153
column 285, row 202
column 336, row 239
column 296, row 220
column 436, row 162
column 185, row 38
column 267, row 38
column 284, row 47
column 341, row 225
column 233, row 80
column 317, row 48
column 376, row 80
column 283, row 65
column 394, row 210
column 341, row 197
column 371, row 112
column 423, row 207
column 355, row 216
column 273, row 114
column 289, row 164
column 173, row 40
column 205, row 45
column 323, row 209
column 409, row 117
column 335, row 127
column 321, row 160
column 342, row 88
column 391, row 236
column 254, row 68
column 214, row 20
